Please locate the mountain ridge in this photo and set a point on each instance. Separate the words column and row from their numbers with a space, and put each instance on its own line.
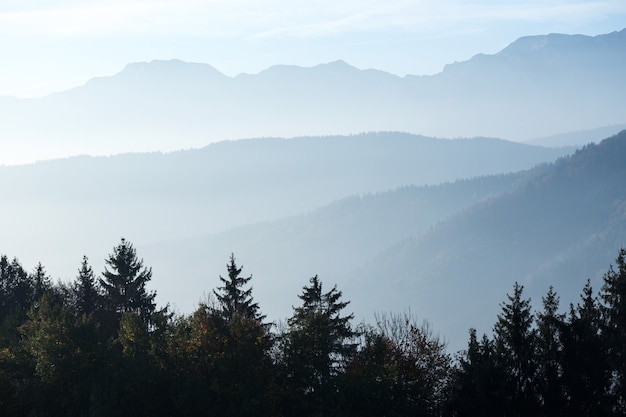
column 561, row 228
column 169, row 105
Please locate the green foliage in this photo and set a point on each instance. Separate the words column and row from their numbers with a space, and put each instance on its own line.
column 549, row 356
column 16, row 289
column 222, row 367
column 124, row 285
column 57, row 358
column 85, row 290
column 62, row 349
column 316, row 346
column 479, row 381
column 586, row 367
column 233, row 299
column 515, row 343
column 613, row 295
column 402, row 368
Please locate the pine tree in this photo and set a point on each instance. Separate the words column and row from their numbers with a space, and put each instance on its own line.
column 86, row 294
column 232, row 298
column 586, row 372
column 40, row 282
column 16, row 289
column 480, row 381
column 318, row 343
column 550, row 325
column 124, row 284
column 515, row 341
column 613, row 295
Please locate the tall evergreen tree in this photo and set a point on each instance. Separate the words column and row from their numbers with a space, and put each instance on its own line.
column 515, row 341
column 318, row 343
column 233, row 299
column 86, row 294
column 479, row 386
column 16, row 289
column 40, row 282
column 613, row 295
column 124, row 284
column 550, row 326
column 586, row 371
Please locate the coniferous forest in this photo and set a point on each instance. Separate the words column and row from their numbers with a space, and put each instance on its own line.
column 100, row 346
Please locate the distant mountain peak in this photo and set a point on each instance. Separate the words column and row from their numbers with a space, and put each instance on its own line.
column 330, row 67
column 168, row 68
column 530, row 44
column 338, row 64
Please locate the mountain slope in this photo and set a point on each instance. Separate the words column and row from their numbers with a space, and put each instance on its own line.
column 57, row 211
column 561, row 228
column 331, row 241
column 578, row 138
column 449, row 253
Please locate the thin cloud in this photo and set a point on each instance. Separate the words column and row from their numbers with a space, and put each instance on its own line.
column 265, row 19
column 428, row 17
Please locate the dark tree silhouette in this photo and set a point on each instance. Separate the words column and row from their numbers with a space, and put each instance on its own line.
column 317, row 345
column 515, row 341
column 613, row 295
column 124, row 284
column 586, row 371
column 86, row 293
column 479, row 384
column 16, row 289
column 232, row 298
column 550, row 327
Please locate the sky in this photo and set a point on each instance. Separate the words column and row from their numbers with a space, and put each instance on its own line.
column 53, row 45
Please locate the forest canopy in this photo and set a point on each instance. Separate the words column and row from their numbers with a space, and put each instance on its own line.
column 100, row 346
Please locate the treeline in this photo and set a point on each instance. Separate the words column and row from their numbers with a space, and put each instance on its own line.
column 100, row 346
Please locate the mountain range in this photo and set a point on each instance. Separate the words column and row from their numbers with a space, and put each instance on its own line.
column 449, row 253
column 537, row 86
column 397, row 221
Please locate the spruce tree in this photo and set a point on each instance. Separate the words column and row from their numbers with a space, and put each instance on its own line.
column 318, row 343
column 233, row 299
column 124, row 284
column 40, row 282
column 515, row 341
column 586, row 371
column 86, row 294
column 479, row 386
column 550, row 326
column 613, row 295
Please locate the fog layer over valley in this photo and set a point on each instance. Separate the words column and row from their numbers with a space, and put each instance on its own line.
column 63, row 209
column 448, row 253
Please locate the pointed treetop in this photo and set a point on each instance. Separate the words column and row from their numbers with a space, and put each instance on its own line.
column 233, row 299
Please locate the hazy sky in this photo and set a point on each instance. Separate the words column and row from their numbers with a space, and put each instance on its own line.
column 52, row 45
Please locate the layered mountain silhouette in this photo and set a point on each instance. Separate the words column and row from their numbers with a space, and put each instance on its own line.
column 414, row 234
column 538, row 86
column 449, row 253
column 56, row 211
column 562, row 227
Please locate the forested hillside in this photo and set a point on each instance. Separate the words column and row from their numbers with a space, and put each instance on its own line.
column 558, row 229
column 557, row 224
